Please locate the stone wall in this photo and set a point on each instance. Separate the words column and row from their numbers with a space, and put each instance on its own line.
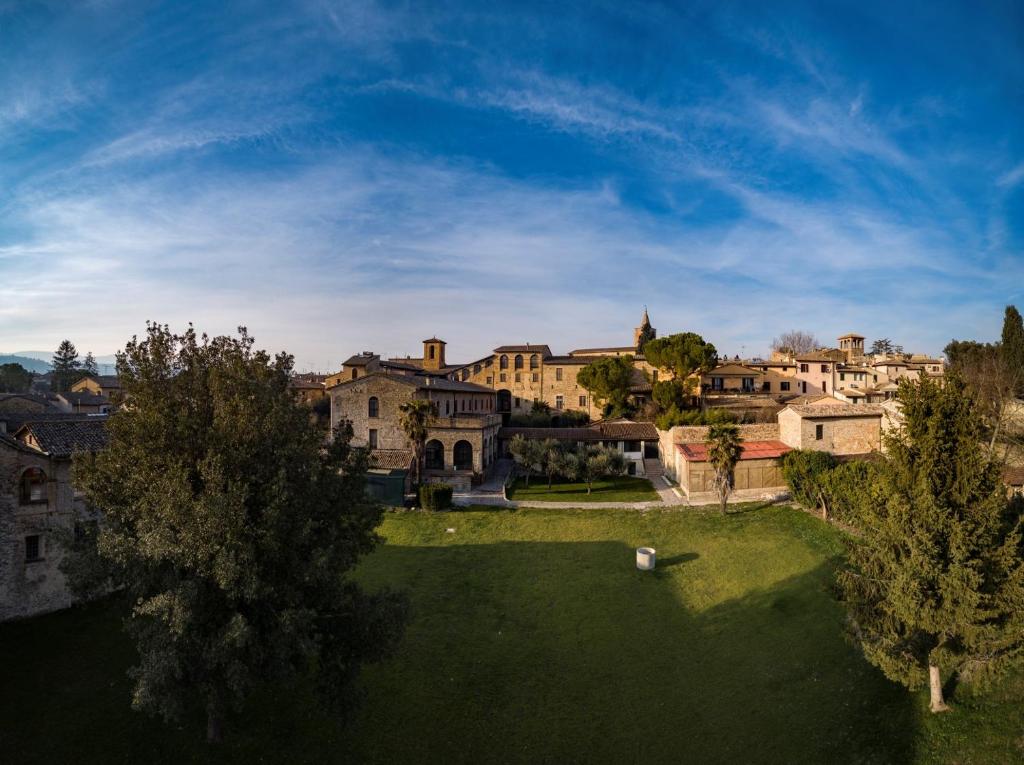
column 33, row 587
column 856, row 434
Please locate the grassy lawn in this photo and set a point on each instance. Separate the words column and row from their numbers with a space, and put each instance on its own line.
column 535, row 640
column 614, row 489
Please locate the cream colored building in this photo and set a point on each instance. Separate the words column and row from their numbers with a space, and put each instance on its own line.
column 842, row 429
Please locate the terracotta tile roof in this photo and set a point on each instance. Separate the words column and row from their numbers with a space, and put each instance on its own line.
column 568, row 360
column 585, row 351
column 837, row 410
column 542, row 349
column 305, row 384
column 560, row 434
column 391, row 459
column 750, row 450
column 83, row 398
column 62, row 438
column 1013, row 476
column 815, row 356
column 628, row 431
column 360, row 359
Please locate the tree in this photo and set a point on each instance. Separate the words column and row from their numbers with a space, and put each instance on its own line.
column 988, row 374
column 684, row 353
column 796, row 341
column 804, row 471
column 608, row 379
column 528, row 453
column 596, row 462
column 551, row 462
column 881, row 347
column 89, row 365
column 723, row 453
column 66, row 370
column 936, row 581
column 414, row 418
column 1012, row 348
column 230, row 529
column 14, row 378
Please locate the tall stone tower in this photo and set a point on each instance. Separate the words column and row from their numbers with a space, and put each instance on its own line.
column 433, row 354
column 644, row 332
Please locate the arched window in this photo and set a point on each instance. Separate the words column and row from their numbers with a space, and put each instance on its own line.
column 503, row 362
column 374, row 408
column 534, row 361
column 462, row 455
column 33, row 486
column 433, row 455
column 519, row 361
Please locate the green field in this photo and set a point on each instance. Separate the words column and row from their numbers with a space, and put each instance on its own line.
column 535, row 640
column 613, row 489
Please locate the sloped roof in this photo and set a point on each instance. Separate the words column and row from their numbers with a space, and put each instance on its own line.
column 628, row 431
column 391, row 459
column 585, row 351
column 83, row 398
column 815, row 356
column 542, row 349
column 615, row 430
column 422, row 382
column 62, row 438
column 749, row 450
column 360, row 359
column 734, row 369
column 560, row 434
column 836, row 410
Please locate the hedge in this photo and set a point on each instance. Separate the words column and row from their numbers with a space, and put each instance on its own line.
column 435, row 496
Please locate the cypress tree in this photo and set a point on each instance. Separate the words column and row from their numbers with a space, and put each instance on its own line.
column 89, row 365
column 936, row 583
column 1012, row 347
column 65, row 366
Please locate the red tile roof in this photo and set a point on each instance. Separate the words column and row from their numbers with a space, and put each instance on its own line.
column 751, row 450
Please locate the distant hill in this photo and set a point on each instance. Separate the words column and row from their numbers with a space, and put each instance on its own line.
column 31, row 364
column 39, row 361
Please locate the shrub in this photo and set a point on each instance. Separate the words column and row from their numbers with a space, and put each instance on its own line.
column 675, row 416
column 846, row 487
column 804, row 470
column 435, row 496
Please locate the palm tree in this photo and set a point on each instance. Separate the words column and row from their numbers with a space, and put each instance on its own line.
column 723, row 453
column 415, row 419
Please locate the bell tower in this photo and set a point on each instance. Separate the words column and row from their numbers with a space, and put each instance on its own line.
column 644, row 332
column 433, row 354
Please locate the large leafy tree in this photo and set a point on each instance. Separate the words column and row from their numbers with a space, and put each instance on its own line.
column 415, row 417
column 608, row 379
column 1012, row 348
column 684, row 353
column 936, row 582
column 724, row 448
column 14, row 378
column 231, row 530
column 529, row 454
column 66, row 369
column 882, row 346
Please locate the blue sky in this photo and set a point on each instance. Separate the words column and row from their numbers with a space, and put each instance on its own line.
column 344, row 176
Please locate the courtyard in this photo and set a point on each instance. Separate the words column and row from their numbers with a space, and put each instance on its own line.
column 534, row 639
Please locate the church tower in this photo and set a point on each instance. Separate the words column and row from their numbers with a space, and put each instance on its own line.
column 433, row 355
column 644, row 332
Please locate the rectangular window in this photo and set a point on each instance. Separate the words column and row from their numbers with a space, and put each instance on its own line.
column 447, row 408
column 558, row 373
column 804, row 368
column 373, row 438
column 559, row 402
column 517, row 402
column 819, row 432
column 824, row 387
column 842, row 376
column 490, row 379
column 32, row 551
column 766, row 386
column 783, row 385
column 519, row 377
column 632, row 446
column 535, row 376
column 824, row 368
column 583, row 400
column 503, row 377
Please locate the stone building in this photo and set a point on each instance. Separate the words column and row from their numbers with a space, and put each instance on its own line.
column 841, row 429
column 523, row 374
column 108, row 386
column 758, row 472
column 37, row 505
column 462, row 440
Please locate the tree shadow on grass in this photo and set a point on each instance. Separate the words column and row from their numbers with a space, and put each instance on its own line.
column 518, row 652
